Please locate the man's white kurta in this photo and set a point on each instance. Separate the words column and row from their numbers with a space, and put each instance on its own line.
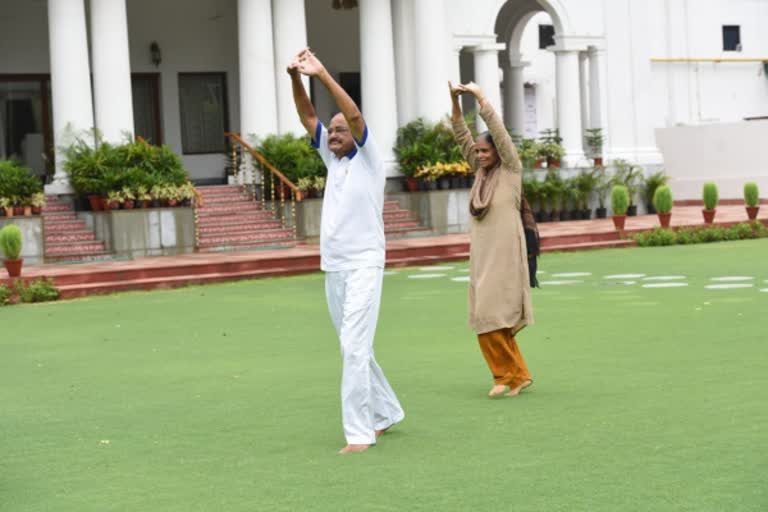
column 352, row 255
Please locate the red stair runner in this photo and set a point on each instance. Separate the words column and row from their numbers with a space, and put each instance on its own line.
column 66, row 237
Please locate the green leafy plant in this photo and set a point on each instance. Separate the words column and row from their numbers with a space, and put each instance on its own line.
column 420, row 144
column 594, row 139
column 11, row 242
column 662, row 199
column 5, row 295
column 630, row 176
column 619, row 199
column 17, row 184
column 685, row 236
column 751, row 194
column 603, row 184
column 38, row 290
column 710, row 195
column 652, row 182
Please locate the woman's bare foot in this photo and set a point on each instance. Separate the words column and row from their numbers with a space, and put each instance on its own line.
column 518, row 389
column 354, row 448
column 380, row 432
column 497, row 390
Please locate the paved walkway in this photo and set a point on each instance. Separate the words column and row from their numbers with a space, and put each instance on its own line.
column 571, row 230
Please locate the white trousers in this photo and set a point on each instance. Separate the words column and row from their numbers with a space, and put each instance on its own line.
column 367, row 400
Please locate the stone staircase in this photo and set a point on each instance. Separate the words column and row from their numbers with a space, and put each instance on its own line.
column 229, row 220
column 68, row 238
column 399, row 223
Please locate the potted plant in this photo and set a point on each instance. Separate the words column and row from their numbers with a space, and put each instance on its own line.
column 6, row 209
column 143, row 197
column 603, row 186
column 662, row 202
column 586, row 183
column 652, row 182
column 304, row 184
column 188, row 193
column 553, row 152
column 619, row 205
column 752, row 199
column 129, row 198
column 38, row 202
column 630, row 176
column 594, row 140
column 528, row 152
column 113, row 200
column 173, row 195
column 710, row 196
column 10, row 244
column 319, row 186
column 157, row 193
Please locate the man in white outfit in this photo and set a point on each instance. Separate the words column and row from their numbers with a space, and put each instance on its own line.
column 351, row 252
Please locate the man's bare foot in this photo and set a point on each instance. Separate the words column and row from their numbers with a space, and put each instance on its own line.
column 518, row 389
column 497, row 390
column 353, row 448
column 380, row 432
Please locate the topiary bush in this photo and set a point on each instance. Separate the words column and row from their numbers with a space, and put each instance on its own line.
column 710, row 196
column 619, row 200
column 751, row 194
column 10, row 242
column 662, row 199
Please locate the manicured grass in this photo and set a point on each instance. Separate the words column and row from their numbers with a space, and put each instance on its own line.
column 225, row 398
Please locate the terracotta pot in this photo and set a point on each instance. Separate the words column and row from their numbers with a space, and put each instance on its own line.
column 172, row 202
column 96, row 203
column 18, row 210
column 111, row 205
column 411, row 184
column 598, row 161
column 37, row 210
column 27, row 211
column 538, row 163
column 618, row 222
column 752, row 212
column 13, row 267
column 9, row 212
column 709, row 216
column 553, row 162
column 147, row 203
column 664, row 219
column 128, row 204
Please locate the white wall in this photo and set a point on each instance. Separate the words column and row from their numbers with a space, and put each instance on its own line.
column 693, row 93
column 194, row 36
column 334, row 36
column 540, row 72
column 728, row 154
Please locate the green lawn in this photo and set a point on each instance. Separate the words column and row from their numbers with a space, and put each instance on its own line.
column 225, row 398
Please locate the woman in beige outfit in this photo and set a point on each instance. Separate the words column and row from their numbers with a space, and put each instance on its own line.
column 499, row 287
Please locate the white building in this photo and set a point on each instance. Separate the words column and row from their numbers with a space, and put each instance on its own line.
column 183, row 72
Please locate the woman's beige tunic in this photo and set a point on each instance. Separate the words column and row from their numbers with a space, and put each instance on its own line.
column 499, row 288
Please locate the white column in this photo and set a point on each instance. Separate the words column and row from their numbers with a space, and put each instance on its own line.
column 403, row 32
column 584, row 92
column 70, row 81
column 454, row 65
column 569, row 106
column 290, row 31
column 487, row 76
column 596, row 99
column 258, row 100
column 430, row 67
column 112, row 92
column 514, row 94
column 377, row 76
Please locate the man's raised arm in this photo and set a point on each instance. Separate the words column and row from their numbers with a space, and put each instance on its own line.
column 304, row 106
column 310, row 65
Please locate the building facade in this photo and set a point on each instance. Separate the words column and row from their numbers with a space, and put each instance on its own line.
column 183, row 72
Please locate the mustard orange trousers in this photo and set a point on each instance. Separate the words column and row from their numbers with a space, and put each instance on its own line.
column 504, row 358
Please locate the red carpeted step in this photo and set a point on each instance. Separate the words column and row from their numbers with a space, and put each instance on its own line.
column 63, row 227
column 70, row 236
column 209, row 229
column 49, row 218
